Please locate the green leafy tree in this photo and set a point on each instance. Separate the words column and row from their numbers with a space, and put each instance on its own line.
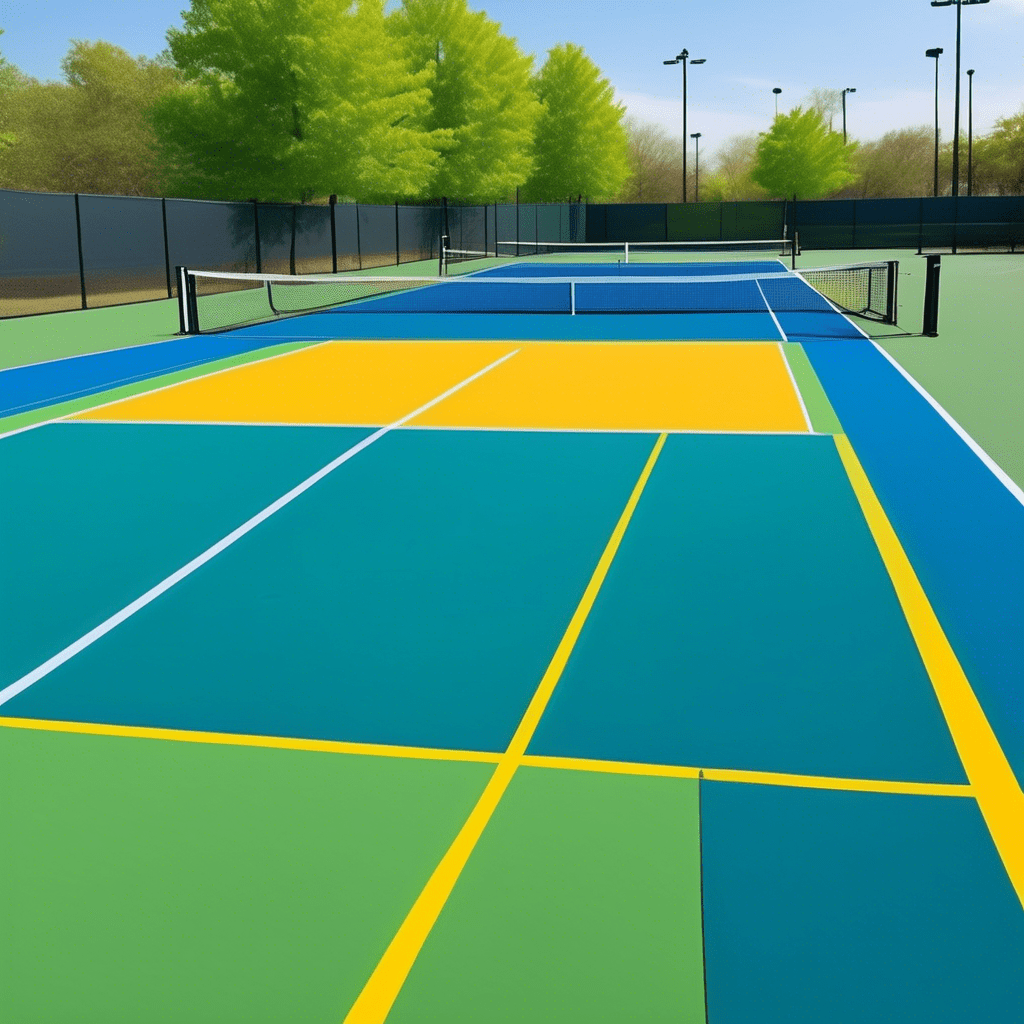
column 801, row 156
column 290, row 99
column 10, row 79
column 90, row 133
column 580, row 143
column 999, row 158
column 482, row 98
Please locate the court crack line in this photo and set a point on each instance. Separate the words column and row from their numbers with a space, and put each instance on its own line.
column 20, row 685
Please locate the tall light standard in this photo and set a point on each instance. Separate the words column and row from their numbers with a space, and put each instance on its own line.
column 956, row 101
column 681, row 58
column 776, row 90
column 845, row 91
column 696, row 167
column 934, row 52
column 970, row 131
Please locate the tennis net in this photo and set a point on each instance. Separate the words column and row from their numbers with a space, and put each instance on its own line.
column 213, row 301
column 865, row 289
column 628, row 252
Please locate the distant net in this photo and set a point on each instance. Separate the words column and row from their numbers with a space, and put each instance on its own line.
column 215, row 301
column 637, row 252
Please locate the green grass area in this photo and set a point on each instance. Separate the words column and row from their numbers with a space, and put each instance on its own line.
column 33, row 339
column 170, row 882
column 580, row 904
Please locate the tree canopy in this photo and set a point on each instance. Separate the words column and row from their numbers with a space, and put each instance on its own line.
column 293, row 99
column 90, row 133
column 481, row 98
column 580, row 145
column 801, row 156
column 999, row 157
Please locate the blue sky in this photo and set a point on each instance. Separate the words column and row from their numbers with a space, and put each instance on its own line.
column 875, row 46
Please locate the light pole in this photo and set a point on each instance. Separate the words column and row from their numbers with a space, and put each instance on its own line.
column 970, row 131
column 956, row 101
column 845, row 91
column 696, row 167
column 681, row 58
column 934, row 52
column 776, row 90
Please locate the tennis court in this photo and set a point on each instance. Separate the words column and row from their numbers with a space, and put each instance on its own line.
column 562, row 639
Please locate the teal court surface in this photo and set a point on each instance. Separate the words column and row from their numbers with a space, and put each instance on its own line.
column 421, row 665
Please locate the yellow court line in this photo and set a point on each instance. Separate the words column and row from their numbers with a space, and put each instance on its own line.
column 231, row 739
column 995, row 787
column 673, row 771
column 378, row 995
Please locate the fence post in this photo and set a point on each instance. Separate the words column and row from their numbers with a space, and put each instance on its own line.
column 359, row 241
column 291, row 251
column 332, row 203
column 398, row 241
column 853, row 239
column 920, row 226
column 167, row 248
column 81, row 259
column 256, row 229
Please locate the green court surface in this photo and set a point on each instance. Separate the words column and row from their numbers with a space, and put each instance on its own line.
column 313, row 710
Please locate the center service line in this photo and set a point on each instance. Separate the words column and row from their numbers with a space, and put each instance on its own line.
column 22, row 684
column 374, row 1003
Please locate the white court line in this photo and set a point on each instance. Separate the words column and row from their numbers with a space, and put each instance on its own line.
column 443, row 427
column 22, row 684
column 771, row 312
column 163, row 387
column 997, row 471
column 796, row 389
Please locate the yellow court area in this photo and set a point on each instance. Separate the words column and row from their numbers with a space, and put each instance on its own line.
column 670, row 386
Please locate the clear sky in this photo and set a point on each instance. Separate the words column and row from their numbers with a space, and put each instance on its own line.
column 751, row 46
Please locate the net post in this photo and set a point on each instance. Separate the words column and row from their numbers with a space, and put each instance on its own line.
column 188, row 318
column 891, row 310
column 793, row 250
column 442, row 246
column 930, row 327
column 572, row 298
column 627, row 252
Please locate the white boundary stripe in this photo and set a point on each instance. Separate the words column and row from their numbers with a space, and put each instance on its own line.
column 771, row 312
column 165, row 387
column 432, row 426
column 997, row 471
column 22, row 684
column 796, row 389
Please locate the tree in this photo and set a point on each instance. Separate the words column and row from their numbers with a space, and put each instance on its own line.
column 999, row 158
column 89, row 134
column 10, row 79
column 899, row 164
column 801, row 156
column 728, row 176
column 580, row 144
column 290, row 99
column 482, row 98
column 655, row 165
column 828, row 103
